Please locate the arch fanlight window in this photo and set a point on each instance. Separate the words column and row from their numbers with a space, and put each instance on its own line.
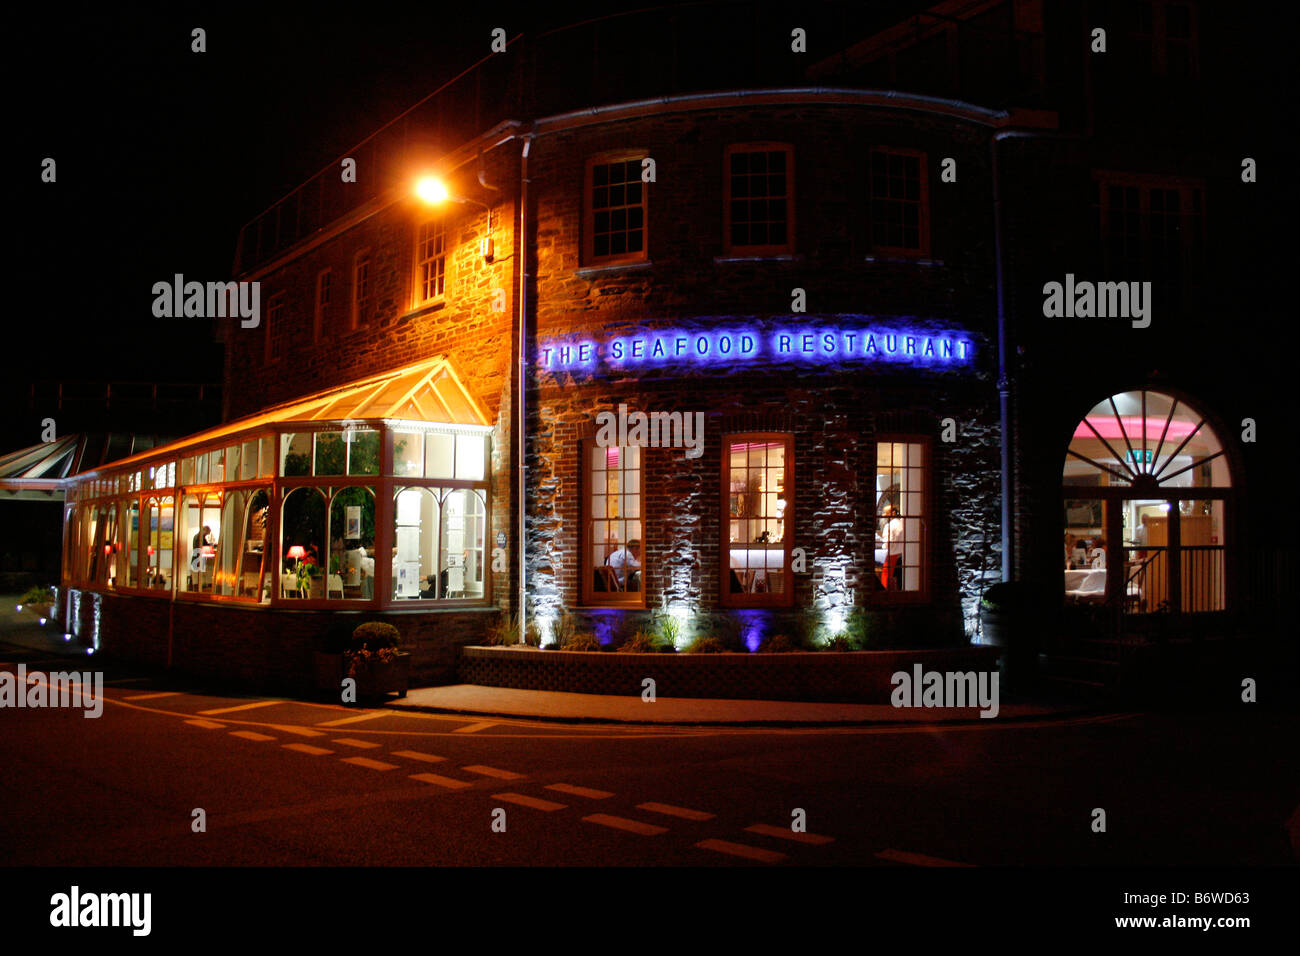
column 1145, row 440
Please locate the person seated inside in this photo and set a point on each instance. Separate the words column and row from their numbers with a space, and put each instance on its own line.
column 1098, row 554
column 626, row 562
column 891, row 534
column 430, row 589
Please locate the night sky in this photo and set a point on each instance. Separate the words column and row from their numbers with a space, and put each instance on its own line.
column 163, row 153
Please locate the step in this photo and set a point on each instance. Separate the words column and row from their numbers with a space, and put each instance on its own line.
column 1072, row 688
column 1081, row 668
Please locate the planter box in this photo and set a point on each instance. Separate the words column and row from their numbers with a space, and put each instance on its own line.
column 374, row 678
column 852, row 676
column 381, row 678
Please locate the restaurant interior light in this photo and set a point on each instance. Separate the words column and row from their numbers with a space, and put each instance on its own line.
column 297, row 552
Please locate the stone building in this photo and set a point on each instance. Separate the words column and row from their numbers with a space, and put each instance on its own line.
column 778, row 347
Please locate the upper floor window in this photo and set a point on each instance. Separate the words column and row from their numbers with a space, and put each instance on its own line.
column 360, row 287
column 902, row 469
column 1164, row 34
column 613, row 556
column 430, row 261
column 616, row 227
column 276, row 336
column 756, row 479
column 760, row 199
column 322, row 303
column 1150, row 227
column 900, row 202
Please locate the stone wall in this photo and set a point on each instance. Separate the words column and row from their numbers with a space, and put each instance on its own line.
column 834, row 410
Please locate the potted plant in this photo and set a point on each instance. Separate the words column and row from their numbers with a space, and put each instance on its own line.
column 370, row 656
column 374, row 660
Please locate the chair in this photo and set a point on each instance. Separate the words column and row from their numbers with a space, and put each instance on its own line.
column 455, row 582
column 605, row 575
column 289, row 584
column 334, row 586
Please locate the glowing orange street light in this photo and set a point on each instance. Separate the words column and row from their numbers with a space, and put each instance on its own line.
column 432, row 189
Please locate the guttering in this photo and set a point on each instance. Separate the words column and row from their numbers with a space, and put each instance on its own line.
column 522, row 387
column 775, row 96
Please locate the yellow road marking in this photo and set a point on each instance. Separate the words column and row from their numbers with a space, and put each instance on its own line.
column 475, row 728
column 300, row 731
column 493, row 772
column 164, row 693
column 672, row 811
column 231, row 710
column 356, row 719
column 579, row 791
column 372, row 764
column 353, row 742
column 441, row 781
column 206, row 724
column 308, row 749
column 250, row 735
column 785, row 833
column 623, row 823
column 740, row 849
column 416, row 755
column 916, row 859
column 525, row 801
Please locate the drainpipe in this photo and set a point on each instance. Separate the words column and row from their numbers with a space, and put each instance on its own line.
column 521, row 382
column 1004, row 379
column 1004, row 368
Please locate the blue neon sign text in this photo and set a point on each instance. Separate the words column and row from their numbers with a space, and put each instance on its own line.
column 908, row 346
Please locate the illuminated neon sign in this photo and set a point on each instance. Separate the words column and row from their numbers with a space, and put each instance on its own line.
column 734, row 347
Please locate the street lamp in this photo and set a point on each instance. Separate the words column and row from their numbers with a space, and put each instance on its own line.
column 433, row 191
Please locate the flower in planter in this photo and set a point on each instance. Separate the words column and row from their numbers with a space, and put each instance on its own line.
column 375, row 642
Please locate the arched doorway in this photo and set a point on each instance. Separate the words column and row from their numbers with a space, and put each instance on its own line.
column 1147, row 491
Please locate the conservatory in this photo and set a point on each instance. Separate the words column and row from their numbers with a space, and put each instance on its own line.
column 370, row 495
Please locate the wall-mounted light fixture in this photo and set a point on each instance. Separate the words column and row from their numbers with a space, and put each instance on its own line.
column 433, row 191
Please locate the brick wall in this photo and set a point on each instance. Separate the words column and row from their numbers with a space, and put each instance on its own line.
column 862, row 677
column 261, row 648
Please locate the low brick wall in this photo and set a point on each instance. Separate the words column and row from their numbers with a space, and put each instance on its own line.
column 259, row 648
column 855, row 676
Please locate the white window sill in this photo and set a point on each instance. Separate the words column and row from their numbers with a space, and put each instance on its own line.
column 585, row 271
column 908, row 260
